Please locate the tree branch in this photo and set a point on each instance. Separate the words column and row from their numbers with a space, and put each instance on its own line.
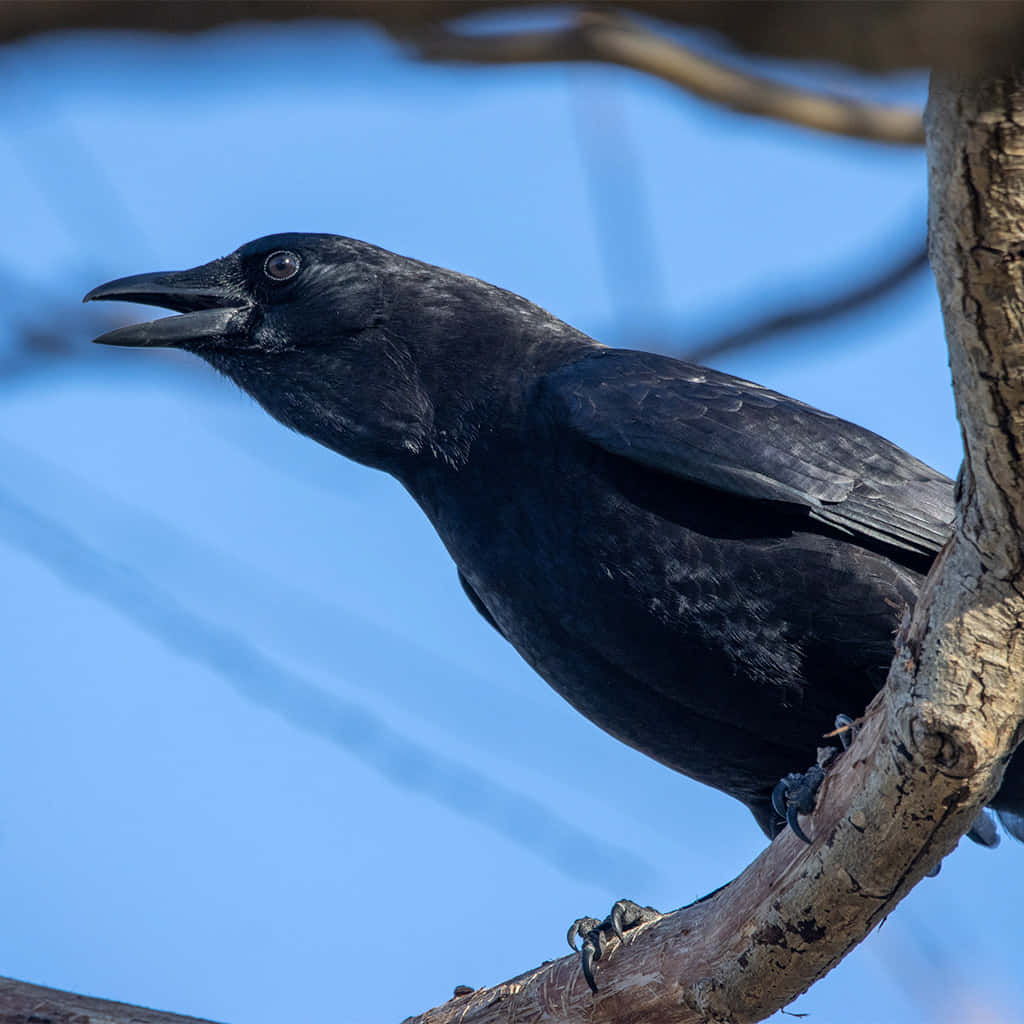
column 878, row 35
column 612, row 39
column 22, row 1003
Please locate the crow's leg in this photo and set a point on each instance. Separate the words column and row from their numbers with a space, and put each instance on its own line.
column 595, row 934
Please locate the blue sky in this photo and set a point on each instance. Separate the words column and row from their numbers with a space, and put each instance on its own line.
column 262, row 758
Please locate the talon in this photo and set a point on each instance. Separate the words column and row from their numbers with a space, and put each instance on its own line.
column 588, row 955
column 794, row 795
column 779, row 796
column 617, row 911
column 625, row 915
column 794, row 825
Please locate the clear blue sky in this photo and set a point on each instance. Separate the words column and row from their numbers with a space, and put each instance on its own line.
column 261, row 759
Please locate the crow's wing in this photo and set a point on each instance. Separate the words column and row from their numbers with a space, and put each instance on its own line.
column 737, row 437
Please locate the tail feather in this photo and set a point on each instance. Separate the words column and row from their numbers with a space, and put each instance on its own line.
column 984, row 832
column 1013, row 823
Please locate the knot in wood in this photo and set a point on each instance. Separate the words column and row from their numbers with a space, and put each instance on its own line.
column 944, row 745
column 706, row 998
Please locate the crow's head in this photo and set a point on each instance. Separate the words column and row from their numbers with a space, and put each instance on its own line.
column 379, row 357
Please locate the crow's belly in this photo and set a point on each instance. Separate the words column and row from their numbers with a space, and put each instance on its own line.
column 724, row 659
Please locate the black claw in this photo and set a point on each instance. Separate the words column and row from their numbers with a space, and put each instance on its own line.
column 625, row 915
column 794, row 795
column 794, row 824
column 617, row 920
column 779, row 796
column 587, row 957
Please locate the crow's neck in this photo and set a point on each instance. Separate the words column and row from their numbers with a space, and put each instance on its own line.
column 484, row 385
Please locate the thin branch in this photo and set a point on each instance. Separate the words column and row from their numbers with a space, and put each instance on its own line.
column 812, row 314
column 616, row 40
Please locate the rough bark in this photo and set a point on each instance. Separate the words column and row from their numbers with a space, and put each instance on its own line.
column 877, row 35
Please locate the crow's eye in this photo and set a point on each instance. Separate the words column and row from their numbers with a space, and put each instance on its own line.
column 281, row 265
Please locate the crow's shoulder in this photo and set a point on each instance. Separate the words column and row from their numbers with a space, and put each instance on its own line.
column 737, row 437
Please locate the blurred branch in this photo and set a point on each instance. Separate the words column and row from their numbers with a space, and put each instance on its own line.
column 877, row 35
column 43, row 328
column 261, row 679
column 620, row 203
column 888, row 280
column 612, row 39
column 40, row 325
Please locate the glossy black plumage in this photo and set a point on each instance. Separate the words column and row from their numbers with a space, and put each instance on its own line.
column 708, row 570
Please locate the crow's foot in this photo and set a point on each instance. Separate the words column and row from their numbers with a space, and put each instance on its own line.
column 794, row 795
column 595, row 934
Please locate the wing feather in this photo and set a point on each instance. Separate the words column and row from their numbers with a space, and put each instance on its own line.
column 737, row 437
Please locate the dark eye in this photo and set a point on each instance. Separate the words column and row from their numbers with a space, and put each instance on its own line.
column 281, row 265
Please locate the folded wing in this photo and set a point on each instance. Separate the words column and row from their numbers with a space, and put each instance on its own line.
column 737, row 437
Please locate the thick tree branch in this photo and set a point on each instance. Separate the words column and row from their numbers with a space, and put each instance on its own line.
column 611, row 39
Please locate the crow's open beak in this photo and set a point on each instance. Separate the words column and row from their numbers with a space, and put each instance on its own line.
column 209, row 311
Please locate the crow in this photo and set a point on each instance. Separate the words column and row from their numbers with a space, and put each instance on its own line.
column 708, row 570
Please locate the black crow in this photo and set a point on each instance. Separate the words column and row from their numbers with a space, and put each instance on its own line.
column 707, row 569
